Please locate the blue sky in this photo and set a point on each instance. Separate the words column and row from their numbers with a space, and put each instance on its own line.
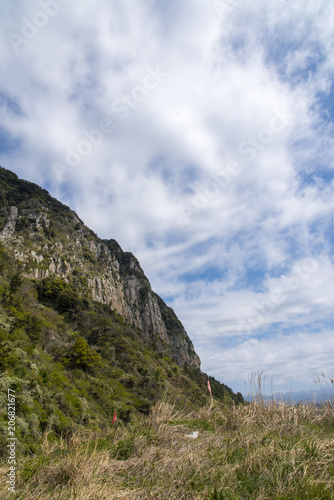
column 199, row 135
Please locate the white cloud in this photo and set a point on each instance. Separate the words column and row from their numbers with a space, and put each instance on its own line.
column 291, row 361
column 213, row 236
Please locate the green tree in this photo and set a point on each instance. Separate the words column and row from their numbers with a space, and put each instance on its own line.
column 83, row 356
column 60, row 294
column 239, row 397
column 15, row 283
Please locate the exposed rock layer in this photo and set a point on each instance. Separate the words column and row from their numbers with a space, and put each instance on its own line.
column 50, row 240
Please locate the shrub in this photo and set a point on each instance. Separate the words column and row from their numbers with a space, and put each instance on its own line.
column 128, row 380
column 58, row 293
column 83, row 356
column 89, row 256
column 15, row 283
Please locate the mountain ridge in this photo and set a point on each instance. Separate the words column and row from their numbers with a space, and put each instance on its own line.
column 317, row 396
column 31, row 226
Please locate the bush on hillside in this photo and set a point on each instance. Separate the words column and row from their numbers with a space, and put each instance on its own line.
column 83, row 356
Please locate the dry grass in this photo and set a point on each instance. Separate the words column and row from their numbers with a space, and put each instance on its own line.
column 261, row 451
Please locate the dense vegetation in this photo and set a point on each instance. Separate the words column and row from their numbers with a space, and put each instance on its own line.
column 73, row 362
column 244, row 452
column 51, row 240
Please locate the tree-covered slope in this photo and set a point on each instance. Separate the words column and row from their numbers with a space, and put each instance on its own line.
column 49, row 240
column 73, row 360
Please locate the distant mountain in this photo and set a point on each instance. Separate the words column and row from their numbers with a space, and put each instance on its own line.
column 82, row 334
column 317, row 396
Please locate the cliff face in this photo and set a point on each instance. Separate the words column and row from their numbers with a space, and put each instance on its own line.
column 49, row 239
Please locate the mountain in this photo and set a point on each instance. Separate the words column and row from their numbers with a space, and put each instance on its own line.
column 82, row 333
column 317, row 396
column 49, row 239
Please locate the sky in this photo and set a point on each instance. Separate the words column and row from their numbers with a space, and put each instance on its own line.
column 199, row 135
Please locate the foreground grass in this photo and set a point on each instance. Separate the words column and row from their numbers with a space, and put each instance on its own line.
column 254, row 451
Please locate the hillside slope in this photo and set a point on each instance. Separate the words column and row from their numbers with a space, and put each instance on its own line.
column 49, row 239
column 82, row 334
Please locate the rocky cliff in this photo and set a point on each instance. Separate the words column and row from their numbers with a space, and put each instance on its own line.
column 49, row 239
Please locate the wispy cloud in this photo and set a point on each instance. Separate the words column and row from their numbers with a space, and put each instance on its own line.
column 199, row 135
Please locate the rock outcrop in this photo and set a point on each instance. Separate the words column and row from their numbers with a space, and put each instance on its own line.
column 50, row 240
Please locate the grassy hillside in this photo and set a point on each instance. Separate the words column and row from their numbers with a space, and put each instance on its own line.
column 73, row 362
column 50, row 240
column 253, row 451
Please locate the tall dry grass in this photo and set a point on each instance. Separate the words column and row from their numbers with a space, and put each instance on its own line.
column 256, row 451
